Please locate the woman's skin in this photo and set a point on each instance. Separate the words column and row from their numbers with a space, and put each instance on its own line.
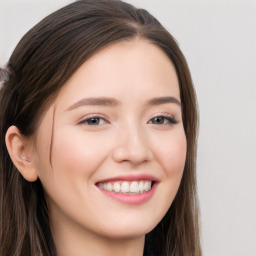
column 118, row 119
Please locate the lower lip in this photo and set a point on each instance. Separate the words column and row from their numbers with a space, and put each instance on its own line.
column 132, row 199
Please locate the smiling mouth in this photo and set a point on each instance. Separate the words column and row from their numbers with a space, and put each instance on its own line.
column 127, row 187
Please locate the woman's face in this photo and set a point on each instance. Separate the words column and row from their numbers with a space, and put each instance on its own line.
column 111, row 150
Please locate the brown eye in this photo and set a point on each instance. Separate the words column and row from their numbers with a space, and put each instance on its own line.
column 162, row 120
column 94, row 121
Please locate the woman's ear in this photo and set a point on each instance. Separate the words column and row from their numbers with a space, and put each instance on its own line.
column 20, row 149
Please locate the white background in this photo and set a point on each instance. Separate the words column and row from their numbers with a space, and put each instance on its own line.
column 219, row 40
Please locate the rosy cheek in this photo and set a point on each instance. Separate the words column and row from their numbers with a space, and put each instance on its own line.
column 67, row 155
column 77, row 153
column 173, row 156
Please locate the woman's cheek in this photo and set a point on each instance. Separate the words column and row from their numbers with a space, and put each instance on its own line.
column 77, row 152
column 172, row 153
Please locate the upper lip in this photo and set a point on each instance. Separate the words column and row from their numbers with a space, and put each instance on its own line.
column 131, row 177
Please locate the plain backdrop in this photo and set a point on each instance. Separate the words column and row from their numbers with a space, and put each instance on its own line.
column 218, row 38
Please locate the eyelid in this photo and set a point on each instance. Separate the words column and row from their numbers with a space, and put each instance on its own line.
column 168, row 116
column 91, row 116
column 172, row 119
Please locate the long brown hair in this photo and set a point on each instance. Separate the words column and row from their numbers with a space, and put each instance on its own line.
column 45, row 58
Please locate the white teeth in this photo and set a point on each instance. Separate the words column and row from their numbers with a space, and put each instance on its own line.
column 117, row 187
column 141, row 186
column 125, row 187
column 147, row 185
column 109, row 186
column 134, row 187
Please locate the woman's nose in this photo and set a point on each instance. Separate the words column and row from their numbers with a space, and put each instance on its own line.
column 132, row 146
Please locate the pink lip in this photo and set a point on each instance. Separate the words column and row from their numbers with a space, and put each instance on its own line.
column 132, row 199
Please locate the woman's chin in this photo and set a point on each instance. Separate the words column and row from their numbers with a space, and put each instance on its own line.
column 127, row 232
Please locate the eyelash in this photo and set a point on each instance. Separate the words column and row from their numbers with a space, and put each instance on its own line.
column 170, row 120
column 85, row 121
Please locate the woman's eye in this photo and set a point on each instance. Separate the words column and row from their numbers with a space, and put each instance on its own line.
column 94, row 121
column 162, row 120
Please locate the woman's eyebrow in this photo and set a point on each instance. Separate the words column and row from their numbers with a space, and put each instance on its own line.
column 164, row 100
column 112, row 102
column 102, row 101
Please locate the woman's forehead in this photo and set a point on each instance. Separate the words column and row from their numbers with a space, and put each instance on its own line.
column 130, row 68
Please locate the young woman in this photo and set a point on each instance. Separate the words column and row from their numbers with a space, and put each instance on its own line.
column 98, row 138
